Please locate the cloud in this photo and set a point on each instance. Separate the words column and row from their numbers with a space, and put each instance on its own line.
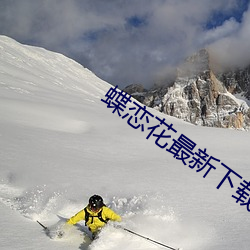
column 228, row 28
column 233, row 49
column 121, row 41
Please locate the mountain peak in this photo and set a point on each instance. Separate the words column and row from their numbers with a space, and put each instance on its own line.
column 200, row 96
column 197, row 64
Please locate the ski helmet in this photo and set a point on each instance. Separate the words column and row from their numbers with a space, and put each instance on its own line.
column 95, row 202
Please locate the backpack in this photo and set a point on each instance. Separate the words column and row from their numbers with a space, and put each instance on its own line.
column 88, row 216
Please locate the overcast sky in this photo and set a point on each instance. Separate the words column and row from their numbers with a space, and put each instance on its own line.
column 131, row 41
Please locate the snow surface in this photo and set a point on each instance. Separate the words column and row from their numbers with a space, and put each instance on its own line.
column 59, row 144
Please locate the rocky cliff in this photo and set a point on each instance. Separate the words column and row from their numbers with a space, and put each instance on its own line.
column 200, row 96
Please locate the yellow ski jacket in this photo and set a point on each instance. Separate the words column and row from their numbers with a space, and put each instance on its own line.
column 94, row 223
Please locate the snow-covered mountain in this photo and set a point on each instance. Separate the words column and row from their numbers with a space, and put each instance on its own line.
column 201, row 95
column 59, row 144
column 237, row 81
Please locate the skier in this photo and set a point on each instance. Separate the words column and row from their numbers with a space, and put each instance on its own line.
column 95, row 214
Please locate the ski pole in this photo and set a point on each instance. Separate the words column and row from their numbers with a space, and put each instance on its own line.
column 45, row 228
column 146, row 238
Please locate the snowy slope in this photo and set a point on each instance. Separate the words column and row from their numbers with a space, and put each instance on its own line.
column 59, row 144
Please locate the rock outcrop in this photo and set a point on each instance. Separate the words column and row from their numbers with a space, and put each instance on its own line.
column 199, row 96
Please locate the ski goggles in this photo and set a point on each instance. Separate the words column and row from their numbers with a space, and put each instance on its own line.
column 94, row 208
